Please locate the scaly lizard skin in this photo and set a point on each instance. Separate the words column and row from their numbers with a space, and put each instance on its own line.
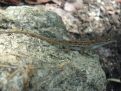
column 56, row 41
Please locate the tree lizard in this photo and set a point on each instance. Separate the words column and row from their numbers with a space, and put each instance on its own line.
column 53, row 41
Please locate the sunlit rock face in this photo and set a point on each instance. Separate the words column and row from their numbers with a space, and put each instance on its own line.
column 28, row 63
column 87, row 16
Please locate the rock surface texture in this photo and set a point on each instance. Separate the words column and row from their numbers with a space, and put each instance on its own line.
column 28, row 63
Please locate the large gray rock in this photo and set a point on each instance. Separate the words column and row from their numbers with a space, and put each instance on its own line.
column 32, row 64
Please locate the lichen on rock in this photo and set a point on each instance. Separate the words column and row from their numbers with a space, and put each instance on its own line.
column 32, row 64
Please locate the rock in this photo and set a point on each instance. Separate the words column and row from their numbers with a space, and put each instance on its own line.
column 36, row 19
column 31, row 64
column 10, row 2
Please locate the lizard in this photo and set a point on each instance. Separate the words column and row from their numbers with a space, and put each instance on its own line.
column 54, row 41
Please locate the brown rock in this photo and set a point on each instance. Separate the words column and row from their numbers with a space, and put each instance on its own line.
column 36, row 1
column 14, row 2
column 118, row 1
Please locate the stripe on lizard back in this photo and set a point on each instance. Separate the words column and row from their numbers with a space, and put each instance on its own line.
column 57, row 41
